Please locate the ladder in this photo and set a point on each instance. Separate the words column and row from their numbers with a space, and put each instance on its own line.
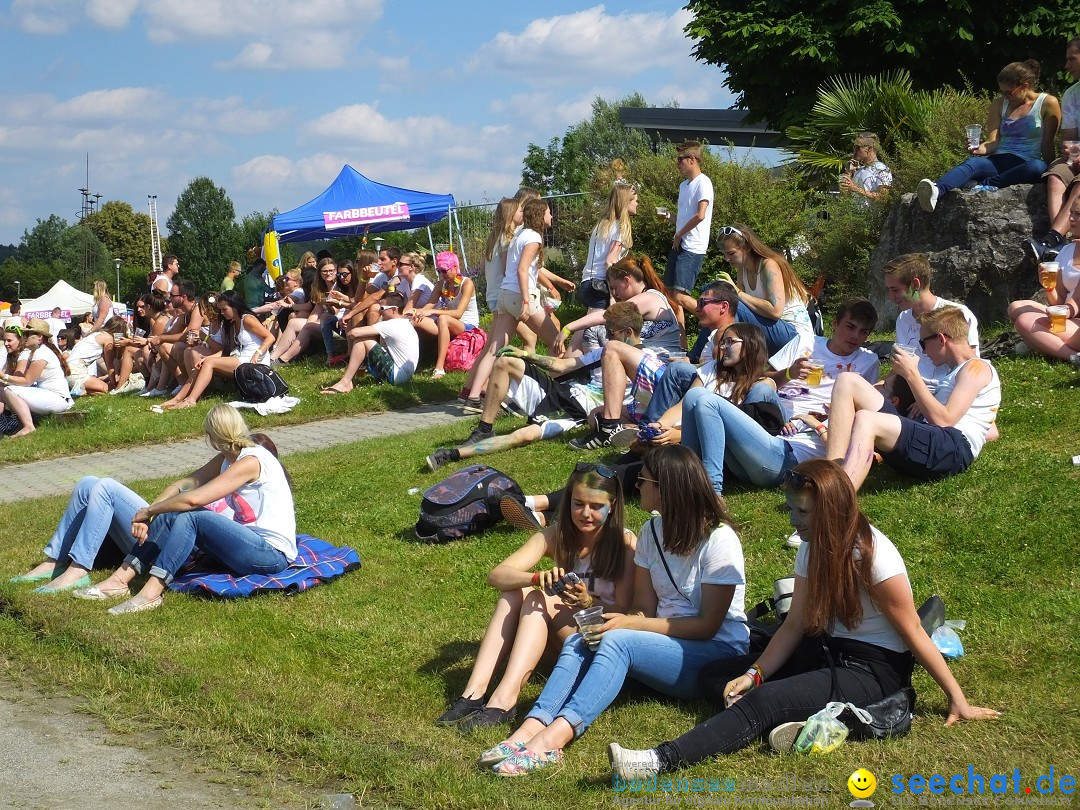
column 155, row 235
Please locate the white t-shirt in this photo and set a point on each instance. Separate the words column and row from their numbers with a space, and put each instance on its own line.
column 493, row 273
column 716, row 561
column 907, row 335
column 599, row 248
column 1070, row 273
column 52, row 377
column 812, row 398
column 976, row 422
column 526, row 236
column 707, row 374
column 266, row 504
column 55, row 325
column 874, row 628
column 692, row 192
column 1070, row 107
column 401, row 340
column 421, row 282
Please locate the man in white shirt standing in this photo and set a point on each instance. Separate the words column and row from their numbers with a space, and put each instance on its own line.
column 692, row 222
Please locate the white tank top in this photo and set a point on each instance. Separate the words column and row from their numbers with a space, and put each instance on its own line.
column 794, row 307
column 983, row 411
column 471, row 315
column 247, row 343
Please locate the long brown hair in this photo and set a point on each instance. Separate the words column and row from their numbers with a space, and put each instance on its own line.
column 690, row 507
column 502, row 226
column 608, row 554
column 318, row 286
column 640, row 268
column 744, row 237
column 532, row 213
column 841, row 547
column 751, row 365
column 13, row 357
column 59, row 355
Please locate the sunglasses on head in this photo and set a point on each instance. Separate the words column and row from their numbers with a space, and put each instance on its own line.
column 795, row 481
column 14, row 329
column 603, row 470
column 384, row 307
column 731, row 230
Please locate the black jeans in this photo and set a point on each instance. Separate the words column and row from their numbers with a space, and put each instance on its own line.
column 797, row 690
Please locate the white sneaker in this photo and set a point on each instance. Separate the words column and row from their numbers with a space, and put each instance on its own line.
column 782, row 738
column 630, row 764
column 793, row 540
column 927, row 191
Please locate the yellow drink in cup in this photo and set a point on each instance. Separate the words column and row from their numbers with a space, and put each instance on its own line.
column 1048, row 275
column 815, row 373
column 1058, row 316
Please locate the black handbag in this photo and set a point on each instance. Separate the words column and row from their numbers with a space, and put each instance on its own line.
column 890, row 717
column 9, row 424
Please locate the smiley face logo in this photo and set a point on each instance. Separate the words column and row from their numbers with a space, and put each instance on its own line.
column 862, row 784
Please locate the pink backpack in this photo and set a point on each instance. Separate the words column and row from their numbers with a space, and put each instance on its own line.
column 464, row 349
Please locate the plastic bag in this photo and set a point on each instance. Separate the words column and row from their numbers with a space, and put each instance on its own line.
column 823, row 732
column 947, row 641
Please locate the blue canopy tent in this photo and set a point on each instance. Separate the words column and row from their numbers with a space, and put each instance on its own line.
column 354, row 205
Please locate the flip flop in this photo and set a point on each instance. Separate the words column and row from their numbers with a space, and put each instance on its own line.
column 331, row 390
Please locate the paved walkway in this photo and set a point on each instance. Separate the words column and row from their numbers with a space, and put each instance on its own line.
column 58, row 476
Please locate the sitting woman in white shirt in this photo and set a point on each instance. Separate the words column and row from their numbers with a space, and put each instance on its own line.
column 42, row 388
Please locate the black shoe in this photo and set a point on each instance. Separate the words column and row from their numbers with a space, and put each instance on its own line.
column 477, row 435
column 438, row 458
column 517, row 514
column 472, row 405
column 593, row 440
column 1034, row 249
column 462, row 708
column 1050, row 254
column 487, row 718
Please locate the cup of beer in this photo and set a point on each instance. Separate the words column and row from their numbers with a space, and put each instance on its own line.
column 1058, row 316
column 1048, row 275
column 192, row 337
column 974, row 135
column 813, row 376
column 663, row 213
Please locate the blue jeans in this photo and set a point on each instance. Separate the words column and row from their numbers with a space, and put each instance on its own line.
column 718, row 431
column 174, row 535
column 584, row 683
column 329, row 326
column 682, row 270
column 778, row 333
column 98, row 508
column 999, row 169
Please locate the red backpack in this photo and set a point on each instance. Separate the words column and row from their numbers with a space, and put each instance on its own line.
column 464, row 349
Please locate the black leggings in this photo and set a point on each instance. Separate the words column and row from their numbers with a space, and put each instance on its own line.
column 799, row 689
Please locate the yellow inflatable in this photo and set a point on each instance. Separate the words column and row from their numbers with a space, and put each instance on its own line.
column 272, row 254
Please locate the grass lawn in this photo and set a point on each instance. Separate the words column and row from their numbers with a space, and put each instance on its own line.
column 337, row 689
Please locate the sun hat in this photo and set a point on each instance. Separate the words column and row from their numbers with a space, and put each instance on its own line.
column 38, row 327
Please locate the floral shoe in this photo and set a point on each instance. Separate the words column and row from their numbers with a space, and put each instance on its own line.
column 504, row 750
column 527, row 761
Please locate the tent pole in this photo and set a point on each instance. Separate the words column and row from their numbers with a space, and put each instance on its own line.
column 431, row 243
column 461, row 240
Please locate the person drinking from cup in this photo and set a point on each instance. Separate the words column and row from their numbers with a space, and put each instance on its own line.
column 866, row 175
column 588, row 539
column 687, row 611
column 1021, row 130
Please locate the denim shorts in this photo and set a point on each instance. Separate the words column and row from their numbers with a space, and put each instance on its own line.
column 682, row 270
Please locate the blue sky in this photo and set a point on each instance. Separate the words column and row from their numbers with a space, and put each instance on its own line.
column 270, row 98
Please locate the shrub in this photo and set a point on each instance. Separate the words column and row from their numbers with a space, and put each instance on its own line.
column 942, row 146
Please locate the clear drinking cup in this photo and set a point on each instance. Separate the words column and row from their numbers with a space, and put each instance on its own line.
column 1058, row 316
column 974, row 135
column 1048, row 275
column 589, row 621
column 813, row 377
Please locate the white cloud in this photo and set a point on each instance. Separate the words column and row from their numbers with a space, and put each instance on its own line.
column 363, row 123
column 46, row 17
column 111, row 13
column 120, row 102
column 263, row 173
column 587, row 43
column 233, row 116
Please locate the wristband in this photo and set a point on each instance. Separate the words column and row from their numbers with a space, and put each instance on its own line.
column 535, row 580
column 566, row 331
column 787, row 373
column 821, row 429
column 754, row 673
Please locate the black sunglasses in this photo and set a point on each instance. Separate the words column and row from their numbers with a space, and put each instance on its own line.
column 704, row 302
column 603, row 470
column 925, row 340
column 794, row 480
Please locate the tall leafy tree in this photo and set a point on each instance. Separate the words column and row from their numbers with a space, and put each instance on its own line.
column 41, row 244
column 203, row 232
column 777, row 52
column 125, row 233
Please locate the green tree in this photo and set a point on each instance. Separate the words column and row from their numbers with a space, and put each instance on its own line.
column 41, row 244
column 775, row 54
column 124, row 232
column 566, row 166
column 203, row 232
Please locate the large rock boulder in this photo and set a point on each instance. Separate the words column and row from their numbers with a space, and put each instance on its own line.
column 973, row 241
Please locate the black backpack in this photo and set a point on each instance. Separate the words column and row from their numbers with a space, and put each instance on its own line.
column 464, row 503
column 258, row 383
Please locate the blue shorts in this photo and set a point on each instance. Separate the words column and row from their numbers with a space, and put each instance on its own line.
column 682, row 270
column 929, row 451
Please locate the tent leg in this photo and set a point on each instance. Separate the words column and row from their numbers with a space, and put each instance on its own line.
column 461, row 241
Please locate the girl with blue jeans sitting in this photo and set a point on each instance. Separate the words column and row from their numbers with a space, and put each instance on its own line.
column 687, row 611
column 1022, row 126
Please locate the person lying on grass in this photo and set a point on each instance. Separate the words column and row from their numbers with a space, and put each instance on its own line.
column 851, row 607
column 237, row 508
column 589, row 540
column 687, row 611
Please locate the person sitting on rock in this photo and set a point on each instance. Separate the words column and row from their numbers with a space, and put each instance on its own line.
column 1022, row 127
column 866, row 175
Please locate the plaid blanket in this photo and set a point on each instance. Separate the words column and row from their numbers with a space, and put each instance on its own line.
column 316, row 561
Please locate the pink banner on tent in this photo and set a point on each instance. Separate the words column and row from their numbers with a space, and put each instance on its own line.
column 395, row 212
column 47, row 313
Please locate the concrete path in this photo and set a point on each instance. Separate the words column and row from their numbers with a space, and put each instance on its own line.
column 58, row 476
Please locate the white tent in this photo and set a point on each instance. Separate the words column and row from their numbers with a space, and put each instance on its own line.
column 71, row 302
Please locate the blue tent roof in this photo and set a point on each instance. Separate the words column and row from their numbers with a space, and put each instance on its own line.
column 354, row 205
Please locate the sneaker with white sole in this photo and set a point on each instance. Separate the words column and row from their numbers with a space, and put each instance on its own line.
column 927, row 191
column 782, row 738
column 630, row 764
